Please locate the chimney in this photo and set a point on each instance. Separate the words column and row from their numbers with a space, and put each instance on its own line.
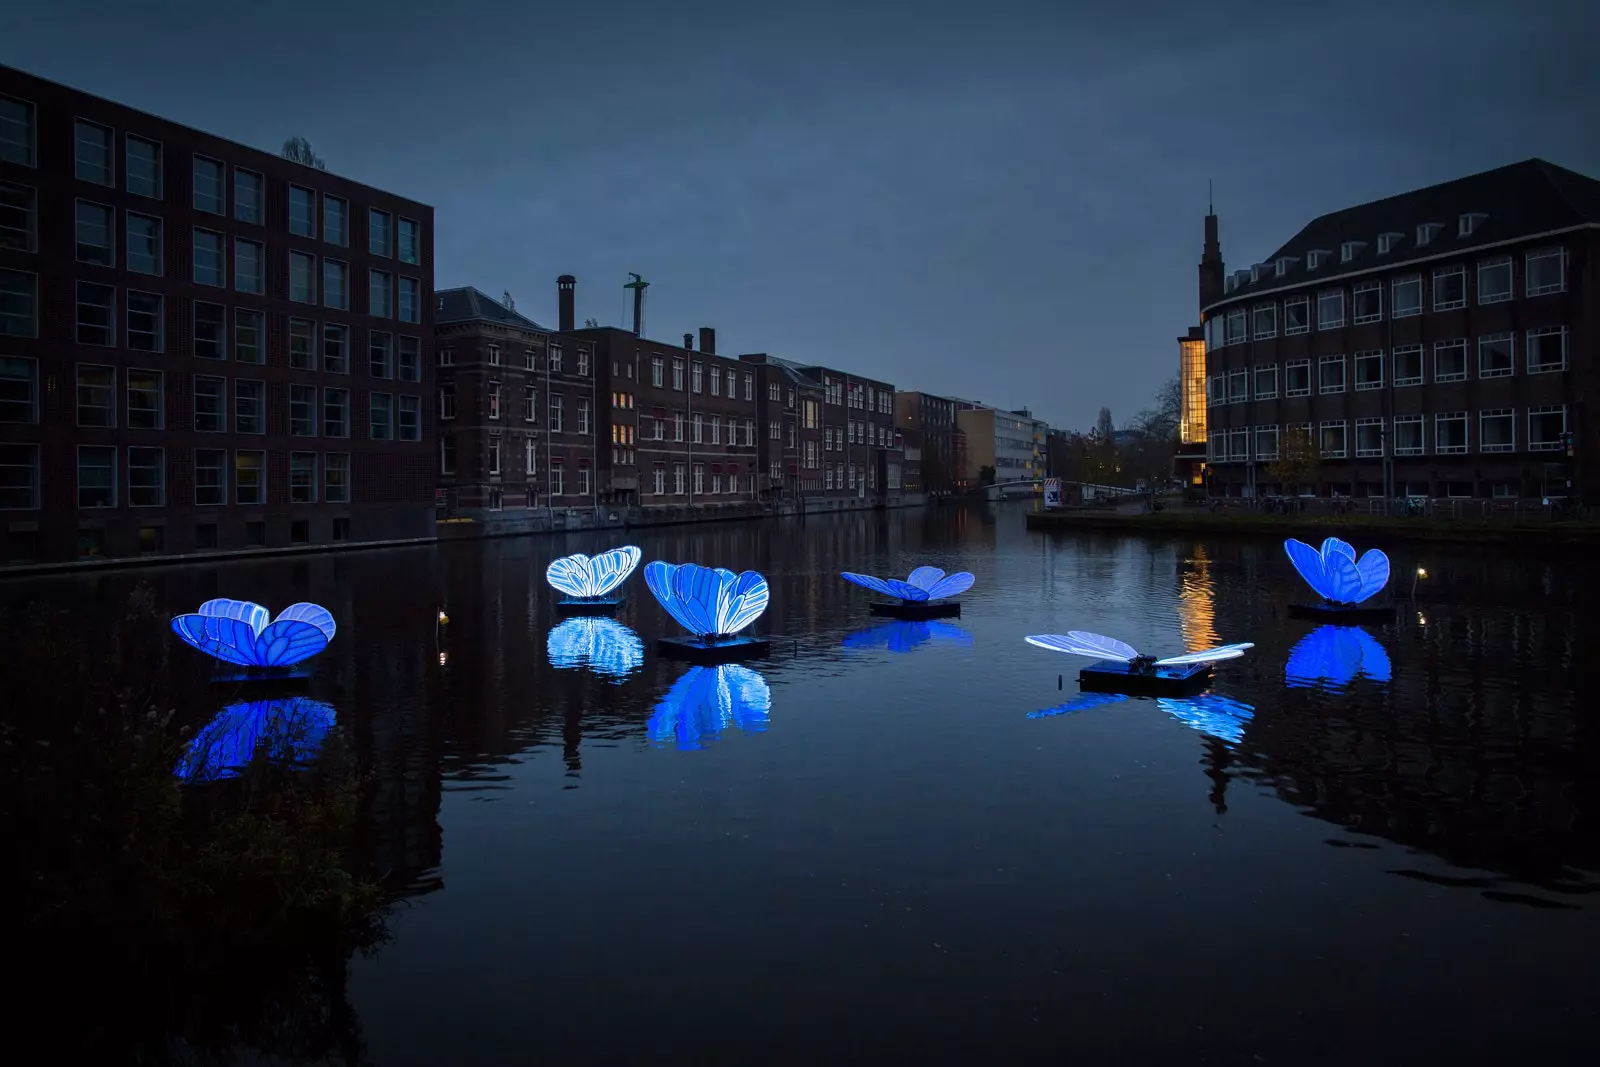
column 564, row 303
column 708, row 340
column 688, row 341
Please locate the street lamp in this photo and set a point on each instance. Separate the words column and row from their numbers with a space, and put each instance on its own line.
column 1420, row 574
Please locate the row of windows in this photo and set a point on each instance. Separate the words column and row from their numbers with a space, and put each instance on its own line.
column 144, row 252
column 1543, row 429
column 1545, row 272
column 657, row 429
column 144, row 171
column 144, row 330
column 1466, row 225
column 556, row 359
column 857, row 395
column 137, row 476
column 1544, row 352
column 141, row 403
column 697, row 378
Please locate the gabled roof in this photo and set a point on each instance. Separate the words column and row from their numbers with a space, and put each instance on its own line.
column 1519, row 200
column 468, row 304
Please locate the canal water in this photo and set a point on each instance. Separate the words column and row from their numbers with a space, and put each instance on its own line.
column 873, row 848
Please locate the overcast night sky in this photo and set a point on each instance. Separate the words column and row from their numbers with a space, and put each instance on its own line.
column 1005, row 207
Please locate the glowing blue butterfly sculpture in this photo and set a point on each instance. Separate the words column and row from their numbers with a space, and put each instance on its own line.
column 904, row 636
column 1101, row 647
column 1335, row 574
column 592, row 577
column 711, row 603
column 605, row 646
column 237, row 631
column 922, row 584
column 1215, row 716
column 1335, row 656
column 708, row 700
column 288, row 731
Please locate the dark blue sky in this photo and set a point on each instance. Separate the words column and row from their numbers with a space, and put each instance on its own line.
column 997, row 200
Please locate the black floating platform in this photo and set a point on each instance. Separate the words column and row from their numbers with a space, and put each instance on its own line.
column 710, row 653
column 286, row 678
column 918, row 609
column 1343, row 614
column 598, row 605
column 1115, row 676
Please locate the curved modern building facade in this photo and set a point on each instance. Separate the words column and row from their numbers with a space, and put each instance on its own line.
column 1438, row 343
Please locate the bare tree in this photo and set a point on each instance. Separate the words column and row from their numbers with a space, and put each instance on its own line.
column 1297, row 462
column 299, row 150
column 1104, row 426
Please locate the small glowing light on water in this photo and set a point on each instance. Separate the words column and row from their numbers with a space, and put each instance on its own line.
column 444, row 657
column 443, row 618
column 1422, row 620
column 1422, row 572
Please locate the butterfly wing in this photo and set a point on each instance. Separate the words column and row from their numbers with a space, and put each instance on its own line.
column 287, row 642
column 572, row 575
column 1207, row 655
column 229, row 639
column 315, row 614
column 741, row 602
column 867, row 581
column 697, row 591
column 252, row 614
column 1372, row 574
column 925, row 578
column 950, row 585
column 610, row 569
column 1309, row 562
column 1083, row 643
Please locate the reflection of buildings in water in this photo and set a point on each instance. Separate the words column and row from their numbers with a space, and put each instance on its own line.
column 1472, row 759
column 1197, row 601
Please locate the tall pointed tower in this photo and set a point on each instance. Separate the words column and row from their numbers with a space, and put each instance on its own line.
column 1210, row 265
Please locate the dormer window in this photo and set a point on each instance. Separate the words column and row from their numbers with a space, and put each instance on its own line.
column 1255, row 272
column 1427, row 231
column 1315, row 257
column 1387, row 241
column 1227, row 283
column 1350, row 250
column 1468, row 224
column 1284, row 263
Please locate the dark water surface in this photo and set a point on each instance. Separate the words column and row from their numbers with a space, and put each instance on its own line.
column 900, row 864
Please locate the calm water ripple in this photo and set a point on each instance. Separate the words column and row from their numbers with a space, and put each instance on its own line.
column 872, row 849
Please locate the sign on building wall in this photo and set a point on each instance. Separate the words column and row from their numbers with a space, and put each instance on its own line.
column 1052, row 492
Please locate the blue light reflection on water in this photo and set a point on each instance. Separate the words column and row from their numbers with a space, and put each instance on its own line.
column 904, row 635
column 708, row 700
column 285, row 729
column 995, row 887
column 604, row 645
column 1335, row 656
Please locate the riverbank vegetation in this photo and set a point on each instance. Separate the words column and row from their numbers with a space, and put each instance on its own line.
column 158, row 921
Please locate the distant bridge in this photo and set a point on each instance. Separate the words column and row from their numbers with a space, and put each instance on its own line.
column 1071, row 492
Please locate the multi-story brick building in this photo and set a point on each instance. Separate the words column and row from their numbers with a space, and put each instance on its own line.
column 933, row 419
column 203, row 347
column 859, row 457
column 519, row 419
column 681, row 421
column 1437, row 343
column 789, row 422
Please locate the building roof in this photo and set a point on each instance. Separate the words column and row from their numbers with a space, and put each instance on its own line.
column 468, row 304
column 1517, row 201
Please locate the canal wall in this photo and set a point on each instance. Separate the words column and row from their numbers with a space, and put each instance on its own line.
column 1526, row 533
column 510, row 522
column 519, row 522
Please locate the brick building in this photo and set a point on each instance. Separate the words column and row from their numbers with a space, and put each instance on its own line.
column 680, row 421
column 859, row 457
column 203, row 347
column 519, row 417
column 789, row 425
column 1437, row 343
column 933, row 420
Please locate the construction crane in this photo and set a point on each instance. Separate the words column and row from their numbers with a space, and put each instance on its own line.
column 638, row 285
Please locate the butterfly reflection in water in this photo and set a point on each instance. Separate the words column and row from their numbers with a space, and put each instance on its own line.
column 708, row 700
column 1209, row 713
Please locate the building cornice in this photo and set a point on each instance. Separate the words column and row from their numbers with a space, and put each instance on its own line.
column 1386, row 268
